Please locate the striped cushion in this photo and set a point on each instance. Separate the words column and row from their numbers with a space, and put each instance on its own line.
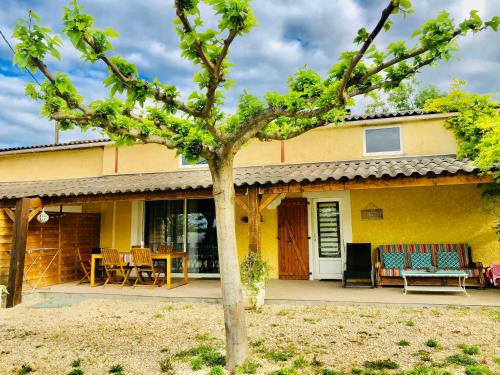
column 448, row 260
column 389, row 272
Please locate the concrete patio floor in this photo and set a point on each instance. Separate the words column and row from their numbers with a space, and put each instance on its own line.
column 282, row 292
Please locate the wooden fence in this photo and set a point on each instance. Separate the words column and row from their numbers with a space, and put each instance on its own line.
column 51, row 249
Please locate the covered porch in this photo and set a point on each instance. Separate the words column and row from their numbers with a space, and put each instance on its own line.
column 427, row 199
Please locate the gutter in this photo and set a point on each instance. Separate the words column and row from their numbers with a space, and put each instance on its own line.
column 398, row 120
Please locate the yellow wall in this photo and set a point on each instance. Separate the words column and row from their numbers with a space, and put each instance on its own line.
column 51, row 165
column 444, row 214
column 269, row 238
column 345, row 142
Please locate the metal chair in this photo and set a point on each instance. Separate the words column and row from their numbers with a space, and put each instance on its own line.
column 143, row 262
column 112, row 264
column 358, row 264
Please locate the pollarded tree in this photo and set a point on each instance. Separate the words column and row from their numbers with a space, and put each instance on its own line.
column 198, row 128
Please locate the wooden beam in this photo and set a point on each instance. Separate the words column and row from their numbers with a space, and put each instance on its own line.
column 34, row 213
column 242, row 204
column 254, row 198
column 36, row 202
column 270, row 199
column 17, row 255
column 10, row 214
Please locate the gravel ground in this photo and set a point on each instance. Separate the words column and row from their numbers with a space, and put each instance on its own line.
column 140, row 334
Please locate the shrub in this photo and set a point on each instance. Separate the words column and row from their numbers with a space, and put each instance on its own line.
column 116, row 369
column 461, row 360
column 254, row 270
column 25, row 369
column 76, row 363
column 384, row 364
column 247, row 368
column 404, row 343
column 469, row 349
column 217, row 370
column 478, row 370
column 431, row 343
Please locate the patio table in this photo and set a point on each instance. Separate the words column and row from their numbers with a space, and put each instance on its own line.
column 460, row 275
column 167, row 257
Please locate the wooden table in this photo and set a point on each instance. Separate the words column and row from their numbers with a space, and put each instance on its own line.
column 461, row 275
column 167, row 257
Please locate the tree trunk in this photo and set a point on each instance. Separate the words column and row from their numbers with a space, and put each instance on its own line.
column 234, row 313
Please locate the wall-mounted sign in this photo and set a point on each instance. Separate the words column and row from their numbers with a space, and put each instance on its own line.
column 372, row 212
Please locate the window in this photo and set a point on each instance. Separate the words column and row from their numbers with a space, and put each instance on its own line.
column 184, row 163
column 383, row 141
column 188, row 225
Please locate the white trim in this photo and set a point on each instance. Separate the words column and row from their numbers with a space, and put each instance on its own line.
column 383, row 153
column 344, row 199
column 200, row 166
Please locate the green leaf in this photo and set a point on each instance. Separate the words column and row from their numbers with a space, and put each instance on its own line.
column 112, row 33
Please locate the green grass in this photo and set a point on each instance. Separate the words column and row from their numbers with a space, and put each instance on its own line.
column 461, row 360
column 203, row 355
column 384, row 364
column 431, row 343
column 404, row 343
column 257, row 343
column 284, row 371
column 217, row 370
column 76, row 371
column 76, row 363
column 116, row 369
column 25, row 369
column 410, row 323
column 330, row 372
column 299, row 363
column 478, row 370
column 248, row 367
column 469, row 349
column 423, row 370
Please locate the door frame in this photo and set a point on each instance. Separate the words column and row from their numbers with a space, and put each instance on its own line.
column 344, row 199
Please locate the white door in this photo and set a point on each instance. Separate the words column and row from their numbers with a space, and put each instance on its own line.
column 327, row 239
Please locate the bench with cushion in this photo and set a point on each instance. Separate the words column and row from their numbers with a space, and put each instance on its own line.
column 391, row 259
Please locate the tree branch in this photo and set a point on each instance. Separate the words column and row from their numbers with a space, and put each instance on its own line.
column 380, row 24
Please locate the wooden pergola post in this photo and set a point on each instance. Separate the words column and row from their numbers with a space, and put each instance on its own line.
column 254, row 199
column 17, row 255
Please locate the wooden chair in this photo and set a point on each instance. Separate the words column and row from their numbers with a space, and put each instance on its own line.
column 84, row 258
column 143, row 262
column 112, row 264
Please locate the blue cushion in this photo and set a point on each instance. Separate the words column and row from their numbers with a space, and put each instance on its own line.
column 393, row 260
column 448, row 260
column 421, row 260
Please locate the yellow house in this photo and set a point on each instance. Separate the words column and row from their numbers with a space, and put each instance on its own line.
column 381, row 179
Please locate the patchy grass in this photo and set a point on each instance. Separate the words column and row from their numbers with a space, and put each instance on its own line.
column 116, row 369
column 461, row 360
column 76, row 371
column 478, row 370
column 410, row 323
column 404, row 343
column 166, row 365
column 25, row 369
column 469, row 349
column 431, row 343
column 381, row 364
column 217, row 370
column 248, row 367
column 203, row 355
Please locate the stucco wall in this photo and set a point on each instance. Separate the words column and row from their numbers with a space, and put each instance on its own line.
column 444, row 214
column 51, row 165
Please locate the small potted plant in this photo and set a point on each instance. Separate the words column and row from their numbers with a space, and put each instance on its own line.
column 254, row 273
column 3, row 296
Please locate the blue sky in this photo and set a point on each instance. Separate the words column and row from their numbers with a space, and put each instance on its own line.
column 290, row 34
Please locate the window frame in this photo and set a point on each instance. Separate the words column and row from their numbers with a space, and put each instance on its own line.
column 182, row 165
column 382, row 153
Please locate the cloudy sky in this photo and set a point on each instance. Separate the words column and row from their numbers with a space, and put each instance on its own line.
column 290, row 34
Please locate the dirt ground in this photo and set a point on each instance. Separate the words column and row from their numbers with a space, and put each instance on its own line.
column 146, row 337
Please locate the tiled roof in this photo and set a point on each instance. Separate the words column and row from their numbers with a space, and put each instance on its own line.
column 348, row 118
column 270, row 174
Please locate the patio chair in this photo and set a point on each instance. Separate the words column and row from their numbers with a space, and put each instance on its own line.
column 84, row 258
column 112, row 265
column 358, row 265
column 492, row 274
column 143, row 263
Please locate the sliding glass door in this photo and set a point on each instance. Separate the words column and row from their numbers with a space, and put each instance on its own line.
column 186, row 225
